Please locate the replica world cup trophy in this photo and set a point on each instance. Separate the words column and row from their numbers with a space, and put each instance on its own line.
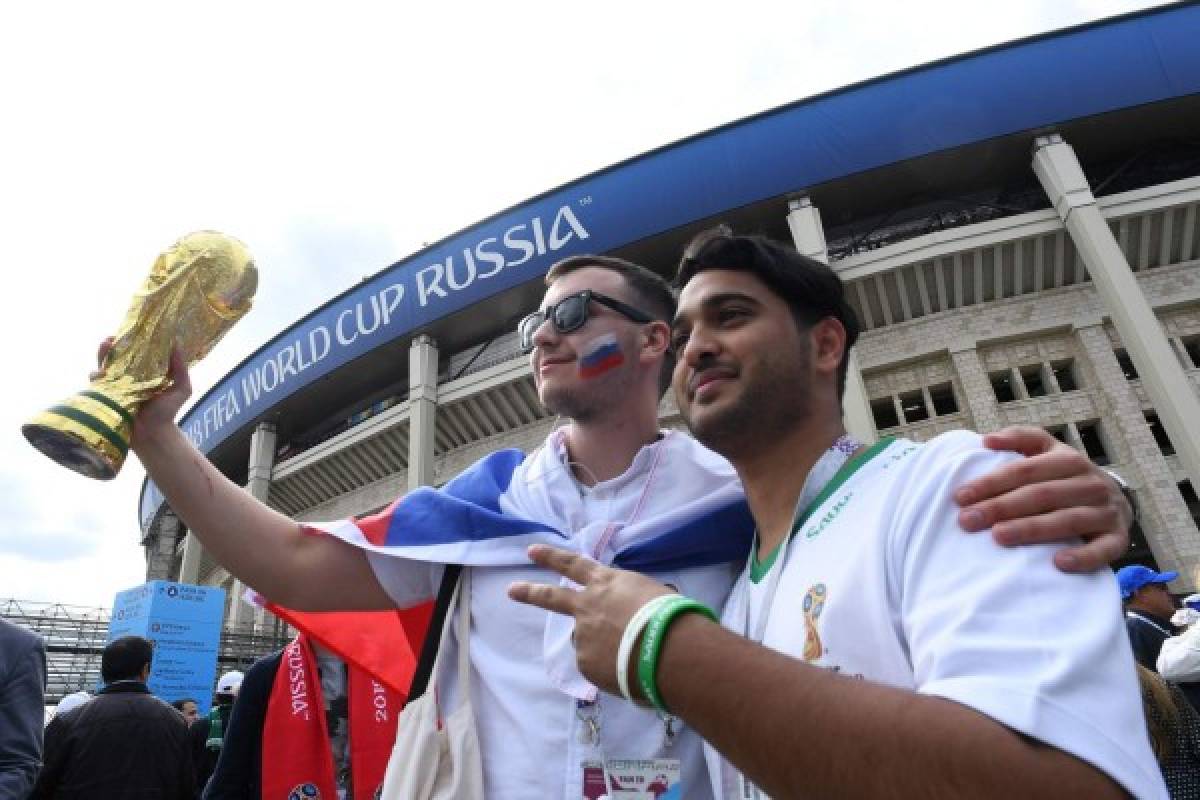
column 196, row 290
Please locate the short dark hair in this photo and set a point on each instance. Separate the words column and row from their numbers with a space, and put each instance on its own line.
column 651, row 293
column 812, row 290
column 123, row 659
column 179, row 703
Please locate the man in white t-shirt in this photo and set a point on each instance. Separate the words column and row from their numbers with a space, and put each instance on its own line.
column 608, row 483
column 872, row 649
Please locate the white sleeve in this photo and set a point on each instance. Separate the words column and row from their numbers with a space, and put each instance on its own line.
column 406, row 581
column 1002, row 631
column 1179, row 658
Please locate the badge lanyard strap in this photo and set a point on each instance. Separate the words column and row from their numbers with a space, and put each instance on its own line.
column 830, row 471
column 588, row 712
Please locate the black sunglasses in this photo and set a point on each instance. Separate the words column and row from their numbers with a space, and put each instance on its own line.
column 571, row 313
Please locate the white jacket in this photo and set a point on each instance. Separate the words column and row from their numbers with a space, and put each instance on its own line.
column 1179, row 658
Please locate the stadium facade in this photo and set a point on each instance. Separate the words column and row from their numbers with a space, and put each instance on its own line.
column 1018, row 228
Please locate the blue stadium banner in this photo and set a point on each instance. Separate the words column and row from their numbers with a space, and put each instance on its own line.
column 184, row 622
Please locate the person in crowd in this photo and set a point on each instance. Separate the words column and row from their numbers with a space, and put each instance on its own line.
column 207, row 734
column 22, row 704
column 1179, row 657
column 869, row 648
column 609, row 483
column 189, row 708
column 337, row 746
column 1174, row 728
column 123, row 743
column 1149, row 608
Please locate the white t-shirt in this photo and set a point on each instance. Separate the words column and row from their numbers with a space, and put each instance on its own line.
column 531, row 733
column 880, row 582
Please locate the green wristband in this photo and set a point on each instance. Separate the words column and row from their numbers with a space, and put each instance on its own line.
column 652, row 642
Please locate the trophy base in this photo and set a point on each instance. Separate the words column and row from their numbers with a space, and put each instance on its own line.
column 70, row 452
column 86, row 434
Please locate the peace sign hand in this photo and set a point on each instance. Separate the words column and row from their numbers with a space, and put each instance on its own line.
column 602, row 607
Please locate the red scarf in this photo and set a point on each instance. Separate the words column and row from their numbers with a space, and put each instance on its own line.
column 297, row 760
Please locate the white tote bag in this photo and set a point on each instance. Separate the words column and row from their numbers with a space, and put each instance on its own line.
column 429, row 762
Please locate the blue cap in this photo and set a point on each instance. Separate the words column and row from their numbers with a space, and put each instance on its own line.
column 1136, row 576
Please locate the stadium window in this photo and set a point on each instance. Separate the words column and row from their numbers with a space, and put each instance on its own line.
column 1058, row 432
column 1064, row 375
column 1131, row 373
column 1093, row 442
column 1160, row 434
column 1193, row 502
column 943, row 399
column 913, row 406
column 884, row 412
column 1002, row 385
column 1191, row 345
column 1031, row 375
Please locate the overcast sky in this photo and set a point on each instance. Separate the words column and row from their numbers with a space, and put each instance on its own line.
column 335, row 139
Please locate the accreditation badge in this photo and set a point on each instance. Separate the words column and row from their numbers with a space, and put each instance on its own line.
column 634, row 779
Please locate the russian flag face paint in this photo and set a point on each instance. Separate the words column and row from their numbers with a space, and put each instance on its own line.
column 600, row 355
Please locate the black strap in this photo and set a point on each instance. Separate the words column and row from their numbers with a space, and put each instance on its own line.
column 429, row 649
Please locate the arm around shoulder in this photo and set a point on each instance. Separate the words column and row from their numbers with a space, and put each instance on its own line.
column 962, row 614
column 859, row 739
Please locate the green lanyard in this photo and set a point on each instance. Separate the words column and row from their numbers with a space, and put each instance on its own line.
column 848, row 468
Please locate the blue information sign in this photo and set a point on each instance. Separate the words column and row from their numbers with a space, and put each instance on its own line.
column 184, row 622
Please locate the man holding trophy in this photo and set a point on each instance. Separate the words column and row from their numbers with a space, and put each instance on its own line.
column 539, row 723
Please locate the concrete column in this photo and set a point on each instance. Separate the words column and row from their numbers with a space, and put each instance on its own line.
column 1071, row 433
column 422, row 417
column 262, row 461
column 1049, row 379
column 1018, row 383
column 1165, row 382
column 189, row 567
column 258, row 484
column 192, row 552
column 1163, row 515
column 1180, row 352
column 927, row 399
column 808, row 236
column 160, row 549
column 977, row 389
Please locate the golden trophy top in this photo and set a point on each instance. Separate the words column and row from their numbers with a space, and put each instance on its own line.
column 196, row 290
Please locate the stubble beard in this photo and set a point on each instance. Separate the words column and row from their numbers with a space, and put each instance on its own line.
column 585, row 403
column 767, row 410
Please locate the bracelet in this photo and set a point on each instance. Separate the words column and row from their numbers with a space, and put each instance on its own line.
column 652, row 642
column 632, row 631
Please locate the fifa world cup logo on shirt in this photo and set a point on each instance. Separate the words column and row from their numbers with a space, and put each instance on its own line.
column 814, row 604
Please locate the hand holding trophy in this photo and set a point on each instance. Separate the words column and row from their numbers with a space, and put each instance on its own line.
column 195, row 292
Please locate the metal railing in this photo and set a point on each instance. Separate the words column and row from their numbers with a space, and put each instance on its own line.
column 75, row 638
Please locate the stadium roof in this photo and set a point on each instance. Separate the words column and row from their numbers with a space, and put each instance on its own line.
column 950, row 126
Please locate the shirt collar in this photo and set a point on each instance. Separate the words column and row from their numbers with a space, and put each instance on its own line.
column 1156, row 620
column 642, row 461
column 125, row 686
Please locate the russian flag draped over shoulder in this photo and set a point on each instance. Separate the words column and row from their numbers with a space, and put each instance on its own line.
column 690, row 513
column 679, row 506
